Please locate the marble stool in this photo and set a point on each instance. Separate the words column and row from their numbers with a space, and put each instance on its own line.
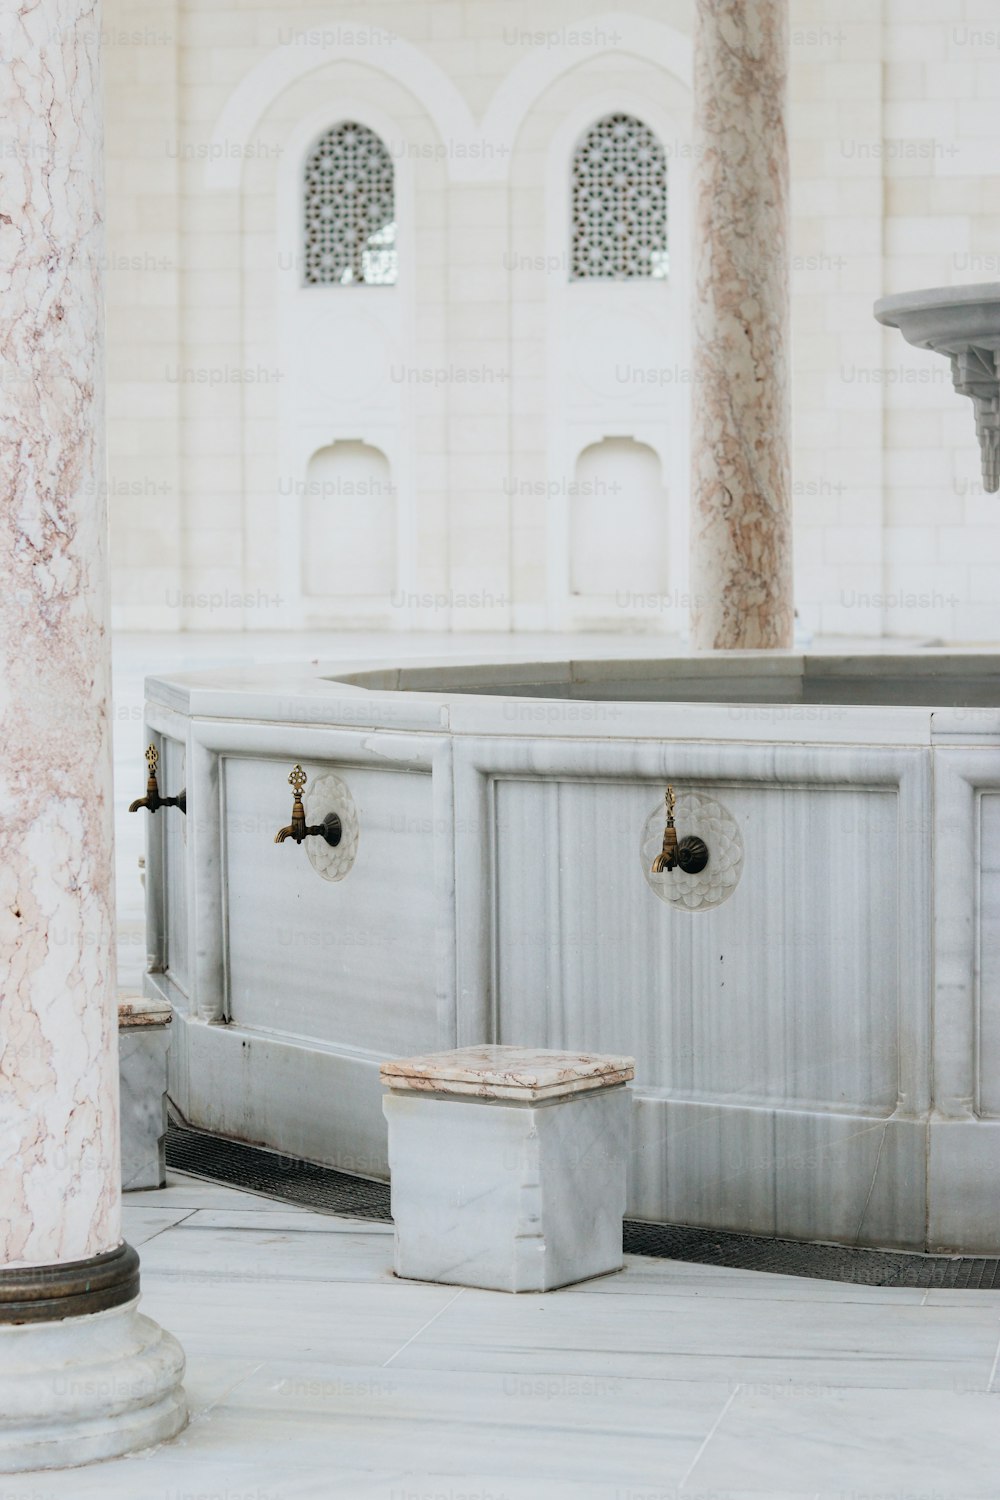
column 143, row 1043
column 508, row 1165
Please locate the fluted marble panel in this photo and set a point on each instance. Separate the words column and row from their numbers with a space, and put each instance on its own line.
column 174, row 834
column 59, row 1187
column 350, row 963
column 963, row 1167
column 988, row 936
column 788, row 993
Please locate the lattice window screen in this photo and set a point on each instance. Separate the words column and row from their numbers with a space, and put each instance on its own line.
column 619, row 202
column 349, row 209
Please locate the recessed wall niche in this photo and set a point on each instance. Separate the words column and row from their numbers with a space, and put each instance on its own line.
column 349, row 523
column 618, row 521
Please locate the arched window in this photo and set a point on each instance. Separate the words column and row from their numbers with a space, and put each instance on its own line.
column 619, row 202
column 349, row 227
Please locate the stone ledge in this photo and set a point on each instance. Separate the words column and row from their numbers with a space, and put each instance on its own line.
column 139, row 1012
column 522, row 1074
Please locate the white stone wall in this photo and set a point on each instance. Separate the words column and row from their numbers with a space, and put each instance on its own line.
column 836, row 275
column 485, row 374
column 142, row 62
column 942, row 536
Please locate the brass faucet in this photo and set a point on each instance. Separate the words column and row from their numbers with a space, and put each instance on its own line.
column 330, row 828
column 152, row 799
column 689, row 854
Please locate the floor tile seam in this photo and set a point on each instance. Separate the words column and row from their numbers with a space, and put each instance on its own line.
column 681, row 1293
column 993, row 1370
column 450, row 1303
column 709, row 1436
column 166, row 1228
column 474, row 1426
column 659, row 1378
column 368, row 1373
column 430, row 1481
column 893, row 1309
column 210, row 1406
column 847, row 1301
column 278, row 1205
column 215, row 1274
column 382, row 1275
column 941, row 1388
column 262, row 1229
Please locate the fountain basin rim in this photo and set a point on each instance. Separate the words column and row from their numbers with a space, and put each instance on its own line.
column 945, row 319
column 896, row 697
column 935, row 296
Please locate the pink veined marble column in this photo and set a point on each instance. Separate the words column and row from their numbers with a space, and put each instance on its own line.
column 60, row 1182
column 59, row 1194
column 741, row 533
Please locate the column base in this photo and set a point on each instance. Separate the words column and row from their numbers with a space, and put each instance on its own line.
column 79, row 1389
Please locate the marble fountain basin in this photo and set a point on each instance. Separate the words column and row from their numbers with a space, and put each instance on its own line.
column 815, row 1017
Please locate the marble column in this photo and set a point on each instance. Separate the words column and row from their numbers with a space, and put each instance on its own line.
column 741, row 533
column 82, row 1374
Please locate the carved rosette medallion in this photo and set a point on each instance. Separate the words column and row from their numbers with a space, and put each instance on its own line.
column 326, row 794
column 695, row 813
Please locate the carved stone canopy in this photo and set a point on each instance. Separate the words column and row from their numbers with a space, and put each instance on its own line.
column 962, row 322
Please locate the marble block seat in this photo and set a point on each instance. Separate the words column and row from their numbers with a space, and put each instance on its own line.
column 143, row 1043
column 508, row 1165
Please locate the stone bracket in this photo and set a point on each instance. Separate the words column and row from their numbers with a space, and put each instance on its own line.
column 963, row 323
column 975, row 374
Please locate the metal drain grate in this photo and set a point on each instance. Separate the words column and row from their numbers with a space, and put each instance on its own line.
column 750, row 1252
column 292, row 1180
column 258, row 1170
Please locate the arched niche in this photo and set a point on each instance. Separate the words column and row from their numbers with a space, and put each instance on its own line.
column 349, row 523
column 618, row 521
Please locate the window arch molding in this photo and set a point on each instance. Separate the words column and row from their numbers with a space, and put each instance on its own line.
column 514, row 100
column 619, row 200
column 302, row 428
column 666, row 431
column 348, row 208
column 291, row 174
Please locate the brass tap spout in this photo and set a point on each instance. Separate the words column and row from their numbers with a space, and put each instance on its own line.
column 689, row 854
column 152, row 799
column 667, row 857
column 330, row 828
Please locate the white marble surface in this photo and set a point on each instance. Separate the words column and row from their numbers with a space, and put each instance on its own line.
column 59, row 1187
column 82, row 1389
column 673, row 1381
column 142, row 1111
column 515, row 1197
column 350, row 962
column 524, row 1074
